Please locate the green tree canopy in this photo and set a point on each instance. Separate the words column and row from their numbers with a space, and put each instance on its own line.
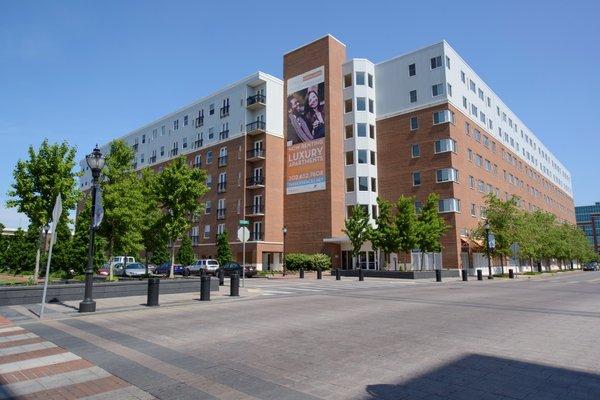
column 357, row 229
column 224, row 254
column 185, row 254
column 407, row 224
column 384, row 236
column 431, row 227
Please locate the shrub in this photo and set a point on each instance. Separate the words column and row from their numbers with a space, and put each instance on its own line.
column 308, row 262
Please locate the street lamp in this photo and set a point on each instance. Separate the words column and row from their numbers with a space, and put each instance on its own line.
column 489, row 246
column 95, row 161
column 284, row 230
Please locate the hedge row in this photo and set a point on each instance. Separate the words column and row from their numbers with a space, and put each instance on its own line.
column 309, row 262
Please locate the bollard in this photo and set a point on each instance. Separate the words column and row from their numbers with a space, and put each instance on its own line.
column 301, row 273
column 337, row 274
column 202, row 272
column 539, row 267
column 221, row 277
column 479, row 275
column 153, row 287
column 319, row 274
column 361, row 275
column 464, row 275
column 205, row 288
column 234, row 285
column 438, row 275
column 511, row 274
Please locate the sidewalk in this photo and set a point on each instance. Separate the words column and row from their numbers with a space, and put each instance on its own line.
column 33, row 368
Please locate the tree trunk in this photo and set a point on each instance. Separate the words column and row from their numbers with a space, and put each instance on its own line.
column 502, row 263
column 110, row 256
column 172, row 270
column 36, row 271
column 422, row 260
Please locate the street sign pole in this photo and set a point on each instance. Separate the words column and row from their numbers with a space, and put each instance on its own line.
column 243, row 237
column 55, row 217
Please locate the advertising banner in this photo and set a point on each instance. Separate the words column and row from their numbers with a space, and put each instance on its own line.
column 306, row 132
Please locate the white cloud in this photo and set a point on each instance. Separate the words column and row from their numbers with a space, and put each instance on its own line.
column 10, row 218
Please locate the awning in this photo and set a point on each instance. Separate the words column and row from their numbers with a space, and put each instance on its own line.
column 473, row 244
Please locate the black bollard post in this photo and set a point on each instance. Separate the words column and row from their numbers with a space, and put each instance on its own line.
column 464, row 275
column 301, row 273
column 511, row 274
column 221, row 277
column 319, row 274
column 234, row 285
column 205, row 288
column 153, row 288
column 479, row 275
column 438, row 275
column 337, row 274
column 539, row 267
column 361, row 275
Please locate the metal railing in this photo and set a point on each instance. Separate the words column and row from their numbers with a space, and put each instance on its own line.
column 222, row 161
column 221, row 187
column 224, row 111
column 255, row 153
column 199, row 122
column 255, row 209
column 257, row 98
column 256, row 126
column 256, row 180
column 221, row 213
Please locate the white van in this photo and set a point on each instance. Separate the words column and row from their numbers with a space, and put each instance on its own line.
column 209, row 266
column 119, row 260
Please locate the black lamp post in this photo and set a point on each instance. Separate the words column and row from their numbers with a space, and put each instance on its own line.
column 284, row 230
column 488, row 249
column 95, row 161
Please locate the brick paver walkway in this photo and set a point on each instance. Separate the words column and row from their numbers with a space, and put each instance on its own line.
column 33, row 368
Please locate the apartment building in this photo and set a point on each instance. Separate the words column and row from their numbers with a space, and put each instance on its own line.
column 588, row 220
column 236, row 135
column 335, row 133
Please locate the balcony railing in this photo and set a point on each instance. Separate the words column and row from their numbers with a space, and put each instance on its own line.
column 222, row 161
column 224, row 134
column 152, row 159
column 135, row 147
column 198, row 143
column 257, row 153
column 199, row 122
column 197, row 165
column 221, row 213
column 255, row 209
column 174, row 151
column 224, row 111
column 222, row 187
column 257, row 99
column 256, row 127
column 256, row 236
column 256, row 181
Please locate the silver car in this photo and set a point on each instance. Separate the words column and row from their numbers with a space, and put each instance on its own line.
column 209, row 266
column 131, row 269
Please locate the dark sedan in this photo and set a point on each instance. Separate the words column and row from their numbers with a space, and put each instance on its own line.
column 165, row 269
column 231, row 267
column 591, row 267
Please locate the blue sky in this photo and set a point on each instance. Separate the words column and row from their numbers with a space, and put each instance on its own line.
column 88, row 71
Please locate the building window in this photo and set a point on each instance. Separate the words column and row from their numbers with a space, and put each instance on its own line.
column 361, row 130
column 349, row 157
column 362, row 157
column 447, row 62
column 370, row 80
column 349, row 131
column 447, row 175
column 415, row 150
column 449, row 205
column 373, row 184
column 416, row 178
column 443, row 116
column 162, row 151
column 209, row 157
column 450, row 90
column 371, row 106
column 473, row 210
column 414, row 123
column 207, row 207
column 445, row 146
column 361, row 104
column 348, row 80
column 413, row 96
column 348, row 106
column 465, row 105
column 470, row 154
column 462, row 76
column 373, row 157
column 185, row 120
column 437, row 89
column 363, row 183
column 360, row 78
column 349, row 184
column 480, row 94
column 211, row 109
column 436, row 62
column 472, row 86
column 372, row 131
column 474, row 110
column 471, row 182
column 412, row 70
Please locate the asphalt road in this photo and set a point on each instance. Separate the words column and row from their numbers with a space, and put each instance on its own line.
column 502, row 339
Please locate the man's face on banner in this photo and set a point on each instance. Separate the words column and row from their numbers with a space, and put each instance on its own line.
column 295, row 105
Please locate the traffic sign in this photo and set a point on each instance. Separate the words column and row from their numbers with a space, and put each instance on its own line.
column 243, row 234
column 244, row 222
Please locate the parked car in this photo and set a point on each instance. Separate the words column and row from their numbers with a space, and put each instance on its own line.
column 131, row 269
column 591, row 267
column 209, row 266
column 119, row 260
column 104, row 270
column 165, row 269
column 231, row 267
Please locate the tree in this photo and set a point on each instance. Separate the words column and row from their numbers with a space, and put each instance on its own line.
column 3, row 244
column 123, row 203
column 154, row 237
column 179, row 188
column 224, row 254
column 406, row 224
column 81, row 240
column 431, row 227
column 357, row 229
column 384, row 236
column 21, row 250
column 185, row 254
column 38, row 181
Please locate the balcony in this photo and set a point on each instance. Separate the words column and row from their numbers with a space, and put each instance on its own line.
column 222, row 161
column 255, row 210
column 224, row 111
column 199, row 122
column 255, row 102
column 152, row 159
column 198, row 143
column 197, row 165
column 255, row 154
column 221, row 187
column 256, row 236
column 221, row 213
column 135, row 147
column 224, row 134
column 255, row 182
column 174, row 152
column 256, row 127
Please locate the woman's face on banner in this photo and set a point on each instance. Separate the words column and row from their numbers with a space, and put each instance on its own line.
column 313, row 100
